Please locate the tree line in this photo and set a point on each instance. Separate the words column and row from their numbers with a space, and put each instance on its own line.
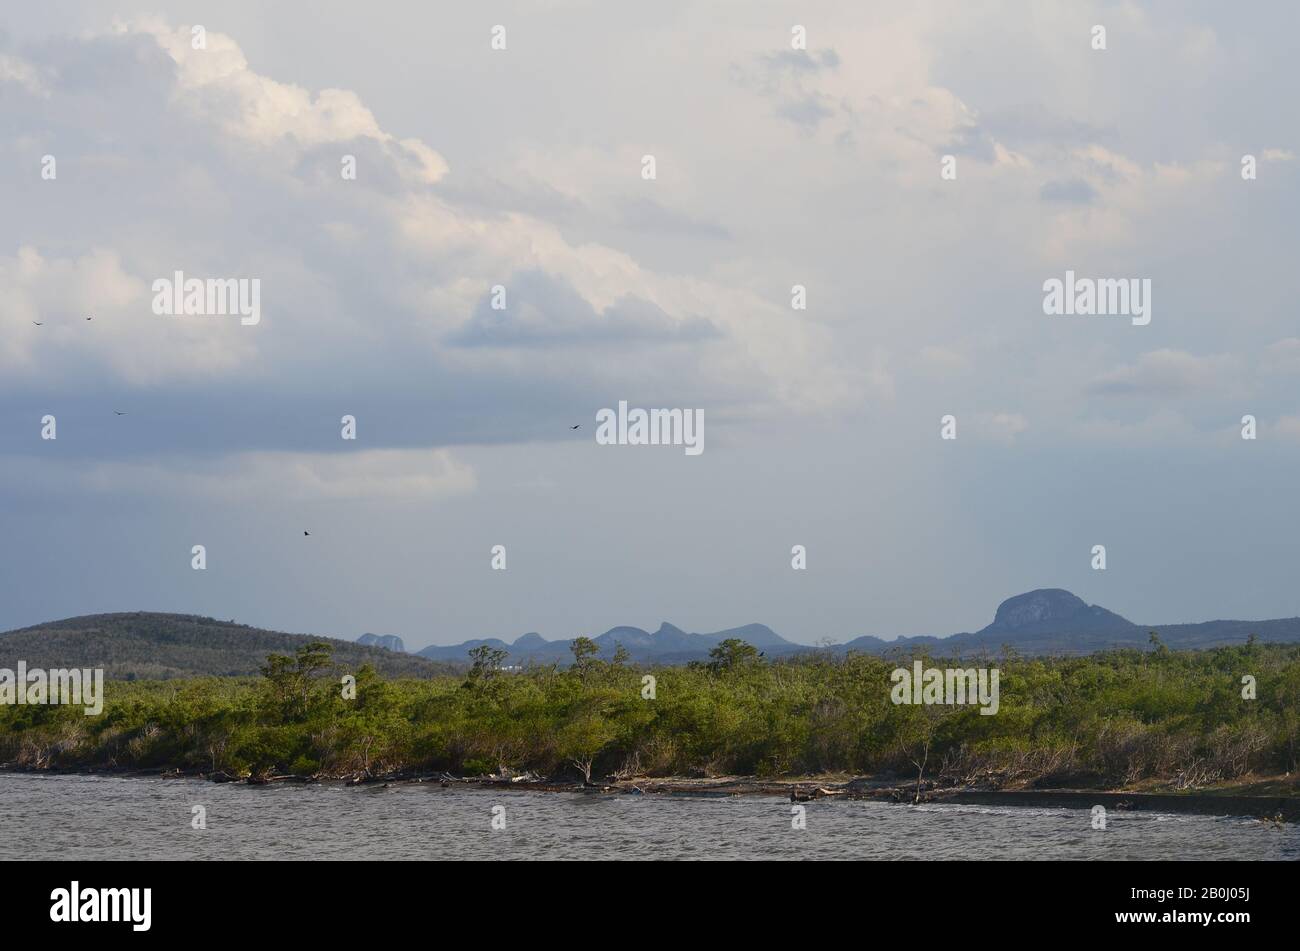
column 1113, row 719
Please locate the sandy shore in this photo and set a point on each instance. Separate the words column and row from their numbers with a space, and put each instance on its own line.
column 1271, row 798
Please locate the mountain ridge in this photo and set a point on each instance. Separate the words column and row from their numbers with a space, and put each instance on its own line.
column 155, row 645
column 387, row 641
column 1042, row 621
column 160, row 646
column 667, row 641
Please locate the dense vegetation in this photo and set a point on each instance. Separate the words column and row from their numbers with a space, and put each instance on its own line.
column 147, row 645
column 1114, row 718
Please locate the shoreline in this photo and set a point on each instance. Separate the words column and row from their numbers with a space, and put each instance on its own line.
column 1221, row 801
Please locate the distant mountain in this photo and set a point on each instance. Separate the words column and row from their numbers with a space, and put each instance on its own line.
column 1045, row 621
column 668, row 645
column 152, row 645
column 1054, row 621
column 146, row 645
column 1051, row 610
column 389, row 642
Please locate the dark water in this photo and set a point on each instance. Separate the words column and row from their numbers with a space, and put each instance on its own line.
column 89, row 817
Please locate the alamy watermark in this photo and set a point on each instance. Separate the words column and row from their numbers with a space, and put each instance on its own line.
column 1098, row 297
column 654, row 427
column 214, row 297
column 75, row 904
column 951, row 685
column 37, row 687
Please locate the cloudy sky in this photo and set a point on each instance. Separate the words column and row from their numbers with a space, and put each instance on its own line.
column 523, row 167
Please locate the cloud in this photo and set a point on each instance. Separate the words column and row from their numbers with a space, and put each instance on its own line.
column 1282, row 356
column 542, row 311
column 1165, row 426
column 646, row 214
column 391, row 475
column 816, row 170
column 944, row 360
column 124, row 338
column 1167, row 373
column 215, row 84
column 799, row 62
column 14, row 69
column 1034, row 125
column 1077, row 191
column 191, row 160
column 784, row 78
column 1000, row 427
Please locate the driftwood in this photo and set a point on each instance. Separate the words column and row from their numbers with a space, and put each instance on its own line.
column 285, row 778
column 818, row 792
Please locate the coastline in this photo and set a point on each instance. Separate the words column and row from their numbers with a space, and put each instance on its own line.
column 1269, row 803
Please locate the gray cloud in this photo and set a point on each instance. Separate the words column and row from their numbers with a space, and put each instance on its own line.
column 1075, row 191
column 543, row 311
column 475, row 168
column 647, row 214
column 1166, row 373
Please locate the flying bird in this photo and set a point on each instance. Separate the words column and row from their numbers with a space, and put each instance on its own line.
column 575, row 427
column 118, row 413
column 90, row 318
column 38, row 323
column 306, row 533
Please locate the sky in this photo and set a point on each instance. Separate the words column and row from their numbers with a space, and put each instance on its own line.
column 523, row 168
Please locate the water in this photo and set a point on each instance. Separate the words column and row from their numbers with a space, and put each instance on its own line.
column 96, row 817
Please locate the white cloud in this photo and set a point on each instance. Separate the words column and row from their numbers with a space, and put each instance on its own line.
column 944, row 360
column 1167, row 373
column 15, row 69
column 216, row 84
column 134, row 344
column 1282, row 356
column 1000, row 427
column 388, row 475
column 1287, row 427
column 253, row 190
column 1166, row 426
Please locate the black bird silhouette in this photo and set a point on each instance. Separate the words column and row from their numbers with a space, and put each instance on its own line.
column 90, row 318
column 575, row 427
column 306, row 533
column 38, row 323
column 117, row 413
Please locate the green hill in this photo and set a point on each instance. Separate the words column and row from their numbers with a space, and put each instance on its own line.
column 149, row 646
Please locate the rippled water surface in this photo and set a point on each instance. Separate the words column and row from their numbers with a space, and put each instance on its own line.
column 91, row 817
